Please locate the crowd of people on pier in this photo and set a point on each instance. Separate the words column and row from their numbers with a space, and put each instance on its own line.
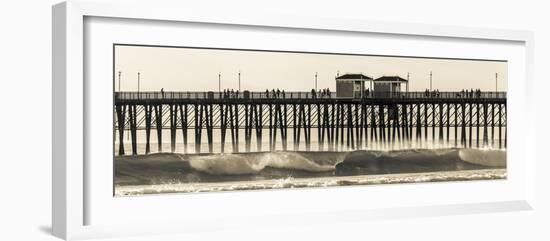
column 230, row 93
column 321, row 93
column 326, row 93
column 470, row 94
column 465, row 93
column 276, row 94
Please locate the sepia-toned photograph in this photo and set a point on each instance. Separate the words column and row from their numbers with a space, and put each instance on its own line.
column 189, row 119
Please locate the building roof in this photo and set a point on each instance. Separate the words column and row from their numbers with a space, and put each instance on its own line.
column 353, row 77
column 390, row 79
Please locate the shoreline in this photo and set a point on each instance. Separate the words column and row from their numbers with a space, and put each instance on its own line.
column 314, row 182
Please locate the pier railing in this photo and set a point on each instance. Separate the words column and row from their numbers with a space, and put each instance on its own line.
column 190, row 95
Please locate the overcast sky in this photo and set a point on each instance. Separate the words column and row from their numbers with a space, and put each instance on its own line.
column 188, row 69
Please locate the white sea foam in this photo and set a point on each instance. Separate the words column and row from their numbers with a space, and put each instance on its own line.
column 252, row 163
column 234, row 164
column 486, row 174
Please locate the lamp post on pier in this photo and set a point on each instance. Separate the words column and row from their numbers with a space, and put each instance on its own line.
column 430, row 81
column 119, row 74
column 139, row 80
column 315, row 81
column 496, row 82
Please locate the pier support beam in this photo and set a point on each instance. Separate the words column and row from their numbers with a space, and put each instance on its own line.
column 158, row 123
column 470, row 124
column 173, row 122
column 477, row 125
column 121, row 118
column 184, row 126
column 485, row 122
column 133, row 128
column 148, row 117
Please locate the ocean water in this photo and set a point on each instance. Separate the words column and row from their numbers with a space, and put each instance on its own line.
column 177, row 172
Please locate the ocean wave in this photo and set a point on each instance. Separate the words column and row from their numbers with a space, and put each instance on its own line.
column 236, row 164
column 484, row 157
column 168, row 168
column 370, row 161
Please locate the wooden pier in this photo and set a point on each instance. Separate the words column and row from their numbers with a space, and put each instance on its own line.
column 340, row 123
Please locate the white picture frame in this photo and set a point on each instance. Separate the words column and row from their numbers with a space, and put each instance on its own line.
column 71, row 190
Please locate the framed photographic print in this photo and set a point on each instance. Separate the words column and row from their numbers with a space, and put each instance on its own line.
column 195, row 120
column 291, row 119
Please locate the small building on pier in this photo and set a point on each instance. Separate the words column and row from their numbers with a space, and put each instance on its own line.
column 387, row 86
column 351, row 85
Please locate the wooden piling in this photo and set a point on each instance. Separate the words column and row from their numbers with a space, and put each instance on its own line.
column 463, row 125
column 300, row 125
column 382, row 125
column 470, row 121
column 121, row 118
column 440, row 123
column 294, row 126
column 232, row 127
column 332, row 127
column 284, row 127
column 492, row 124
column 308, row 127
column 158, row 123
column 320, row 127
column 448, row 123
column 133, row 128
column 499, row 126
column 350, row 132
column 198, row 127
column 426, row 124
column 418, row 126
column 270, row 106
column 363, row 128
column 485, row 122
column 433, row 122
column 209, row 116
column 338, row 120
column 247, row 128
column 184, row 125
column 147, row 109
column 223, row 126
column 477, row 125
column 456, row 124
column 259, row 126
column 173, row 119
column 237, row 124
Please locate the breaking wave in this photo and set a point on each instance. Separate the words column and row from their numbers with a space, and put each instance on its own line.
column 173, row 168
column 235, row 164
column 375, row 161
column 484, row 157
